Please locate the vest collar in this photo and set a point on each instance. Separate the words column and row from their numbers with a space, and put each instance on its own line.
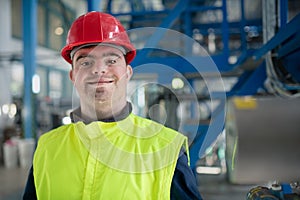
column 76, row 115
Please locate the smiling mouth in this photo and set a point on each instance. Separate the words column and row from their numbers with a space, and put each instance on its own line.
column 107, row 81
column 101, row 83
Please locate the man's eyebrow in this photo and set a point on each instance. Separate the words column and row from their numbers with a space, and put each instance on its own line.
column 84, row 56
column 111, row 54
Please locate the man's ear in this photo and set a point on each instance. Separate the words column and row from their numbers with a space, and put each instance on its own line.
column 129, row 72
column 71, row 75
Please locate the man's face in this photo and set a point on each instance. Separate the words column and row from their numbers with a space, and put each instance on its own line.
column 100, row 75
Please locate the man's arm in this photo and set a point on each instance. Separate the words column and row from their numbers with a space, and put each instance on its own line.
column 184, row 185
column 29, row 192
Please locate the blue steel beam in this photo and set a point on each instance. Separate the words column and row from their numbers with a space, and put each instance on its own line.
column 93, row 5
column 283, row 12
column 249, row 82
column 167, row 23
column 141, row 13
column 289, row 47
column 225, row 33
column 188, row 64
column 291, row 63
column 242, row 26
column 196, row 145
column 282, row 35
column 203, row 8
column 207, row 133
column 29, row 17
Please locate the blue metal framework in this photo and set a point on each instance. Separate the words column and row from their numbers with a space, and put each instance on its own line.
column 93, row 5
column 283, row 37
column 184, row 12
column 249, row 82
column 285, row 49
column 29, row 59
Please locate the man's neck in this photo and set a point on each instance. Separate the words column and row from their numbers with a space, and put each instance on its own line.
column 102, row 110
column 109, row 112
column 79, row 115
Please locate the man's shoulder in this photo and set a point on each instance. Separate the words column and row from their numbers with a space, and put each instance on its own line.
column 55, row 134
column 143, row 121
column 152, row 125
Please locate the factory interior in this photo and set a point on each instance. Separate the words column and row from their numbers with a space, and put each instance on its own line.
column 224, row 73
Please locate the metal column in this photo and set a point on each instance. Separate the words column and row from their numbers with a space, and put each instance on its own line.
column 94, row 5
column 29, row 58
column 225, row 32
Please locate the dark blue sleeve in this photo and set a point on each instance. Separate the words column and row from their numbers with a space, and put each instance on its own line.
column 184, row 185
column 29, row 192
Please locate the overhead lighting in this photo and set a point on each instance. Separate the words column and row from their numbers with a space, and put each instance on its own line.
column 177, row 83
column 66, row 120
column 9, row 109
column 232, row 59
column 59, row 30
column 12, row 110
column 36, row 87
column 208, row 170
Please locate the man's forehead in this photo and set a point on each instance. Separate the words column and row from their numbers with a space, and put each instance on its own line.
column 99, row 50
column 94, row 45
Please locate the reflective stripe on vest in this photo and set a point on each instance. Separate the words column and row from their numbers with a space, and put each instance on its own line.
column 131, row 159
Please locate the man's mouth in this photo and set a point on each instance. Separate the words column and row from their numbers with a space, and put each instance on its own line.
column 101, row 82
column 105, row 81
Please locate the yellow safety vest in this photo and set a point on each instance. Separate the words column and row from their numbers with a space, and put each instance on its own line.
column 134, row 159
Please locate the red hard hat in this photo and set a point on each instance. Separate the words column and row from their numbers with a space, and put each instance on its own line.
column 96, row 27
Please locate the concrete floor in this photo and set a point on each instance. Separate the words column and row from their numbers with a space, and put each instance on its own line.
column 212, row 187
column 215, row 187
column 12, row 183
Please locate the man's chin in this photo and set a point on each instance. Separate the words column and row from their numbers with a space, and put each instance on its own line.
column 100, row 101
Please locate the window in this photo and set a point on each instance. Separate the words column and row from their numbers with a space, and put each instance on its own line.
column 53, row 19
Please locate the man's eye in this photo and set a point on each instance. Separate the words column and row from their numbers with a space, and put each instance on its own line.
column 86, row 63
column 112, row 61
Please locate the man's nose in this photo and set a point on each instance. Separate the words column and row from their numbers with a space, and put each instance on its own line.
column 100, row 68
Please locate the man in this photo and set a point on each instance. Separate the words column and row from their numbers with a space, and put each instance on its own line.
column 107, row 152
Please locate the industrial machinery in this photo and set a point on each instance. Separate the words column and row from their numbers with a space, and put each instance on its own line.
column 275, row 192
column 262, row 140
